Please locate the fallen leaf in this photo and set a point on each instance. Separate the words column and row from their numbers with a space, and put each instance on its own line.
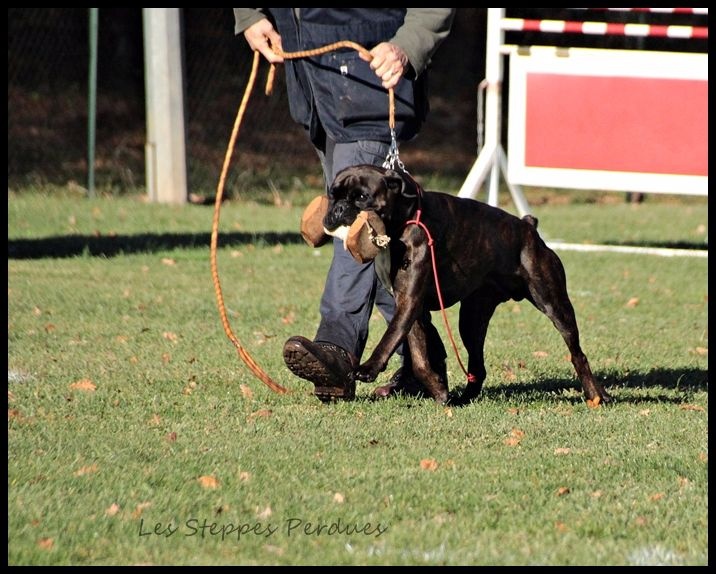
column 208, row 481
column 594, row 403
column 640, row 521
column 701, row 351
column 13, row 414
column 169, row 336
column 683, row 482
column 513, row 410
column 121, row 338
column 562, row 490
column 169, row 261
column 49, row 328
column 688, row 407
column 46, row 543
column 244, row 476
column 166, row 358
column 277, row 550
column 289, row 318
column 235, row 253
column 562, row 450
column 515, row 437
column 263, row 514
column 261, row 413
column 657, row 496
column 83, row 385
column 540, row 354
column 261, row 337
column 560, row 526
column 133, row 359
column 645, row 412
column 703, row 457
column 448, row 412
column 155, row 421
column 509, row 373
column 246, row 391
column 596, row 494
column 90, row 469
column 633, row 302
column 112, row 510
column 171, row 437
column 140, row 508
column 37, row 311
column 429, row 464
column 339, row 498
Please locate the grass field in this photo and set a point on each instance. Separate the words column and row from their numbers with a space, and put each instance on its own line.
column 137, row 436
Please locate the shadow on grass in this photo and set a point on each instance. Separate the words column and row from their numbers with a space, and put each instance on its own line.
column 680, row 384
column 110, row 246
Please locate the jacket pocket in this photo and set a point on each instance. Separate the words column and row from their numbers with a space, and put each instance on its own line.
column 358, row 95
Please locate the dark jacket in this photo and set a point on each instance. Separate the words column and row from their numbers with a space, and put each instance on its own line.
column 337, row 91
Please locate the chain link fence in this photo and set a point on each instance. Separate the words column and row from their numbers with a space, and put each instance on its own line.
column 48, row 70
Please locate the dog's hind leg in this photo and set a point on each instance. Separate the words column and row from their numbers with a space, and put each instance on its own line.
column 547, row 285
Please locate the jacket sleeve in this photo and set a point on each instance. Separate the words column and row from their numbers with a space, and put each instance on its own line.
column 421, row 34
column 245, row 17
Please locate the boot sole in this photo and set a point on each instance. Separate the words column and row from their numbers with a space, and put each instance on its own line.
column 302, row 363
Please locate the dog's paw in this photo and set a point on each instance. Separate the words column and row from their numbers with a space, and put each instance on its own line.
column 366, row 373
column 441, row 397
column 597, row 397
column 468, row 395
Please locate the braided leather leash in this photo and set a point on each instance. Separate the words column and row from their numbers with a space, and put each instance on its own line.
column 243, row 353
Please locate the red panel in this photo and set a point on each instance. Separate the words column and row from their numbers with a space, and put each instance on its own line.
column 651, row 125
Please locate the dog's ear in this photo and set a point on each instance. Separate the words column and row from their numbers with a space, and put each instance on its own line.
column 396, row 183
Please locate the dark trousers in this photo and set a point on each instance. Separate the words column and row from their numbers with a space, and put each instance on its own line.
column 352, row 289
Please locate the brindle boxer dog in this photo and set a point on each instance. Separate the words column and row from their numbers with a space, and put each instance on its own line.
column 484, row 257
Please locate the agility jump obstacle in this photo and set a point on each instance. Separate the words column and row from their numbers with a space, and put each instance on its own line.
column 602, row 119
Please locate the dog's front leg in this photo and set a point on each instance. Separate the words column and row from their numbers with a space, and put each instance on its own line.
column 434, row 382
column 409, row 286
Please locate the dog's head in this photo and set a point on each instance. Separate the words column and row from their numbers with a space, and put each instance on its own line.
column 369, row 188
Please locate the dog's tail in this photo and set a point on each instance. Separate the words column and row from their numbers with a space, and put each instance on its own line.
column 531, row 219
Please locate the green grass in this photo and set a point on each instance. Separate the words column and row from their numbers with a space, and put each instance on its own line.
column 119, row 292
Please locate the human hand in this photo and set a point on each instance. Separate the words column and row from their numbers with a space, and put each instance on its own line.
column 389, row 62
column 262, row 37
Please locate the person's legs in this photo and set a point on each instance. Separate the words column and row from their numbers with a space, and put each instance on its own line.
column 351, row 287
column 350, row 292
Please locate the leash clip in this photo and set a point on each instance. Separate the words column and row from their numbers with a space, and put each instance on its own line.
column 393, row 157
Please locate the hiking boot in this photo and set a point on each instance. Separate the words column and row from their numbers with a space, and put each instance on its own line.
column 402, row 382
column 327, row 366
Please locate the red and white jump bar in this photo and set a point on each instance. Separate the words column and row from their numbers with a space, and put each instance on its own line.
column 603, row 28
